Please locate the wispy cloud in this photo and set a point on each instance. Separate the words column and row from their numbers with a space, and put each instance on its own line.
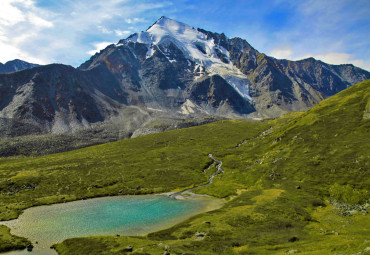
column 98, row 46
column 283, row 52
column 20, row 21
column 66, row 31
column 122, row 33
column 135, row 20
column 104, row 30
column 117, row 32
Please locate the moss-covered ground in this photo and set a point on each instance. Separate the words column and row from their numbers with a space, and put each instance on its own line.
column 284, row 184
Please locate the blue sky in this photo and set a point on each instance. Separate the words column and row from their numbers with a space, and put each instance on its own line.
column 69, row 31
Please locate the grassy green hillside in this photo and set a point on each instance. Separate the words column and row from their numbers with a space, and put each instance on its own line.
column 297, row 184
column 154, row 163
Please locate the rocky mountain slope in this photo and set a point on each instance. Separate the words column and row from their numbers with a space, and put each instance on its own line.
column 171, row 69
column 295, row 184
column 15, row 65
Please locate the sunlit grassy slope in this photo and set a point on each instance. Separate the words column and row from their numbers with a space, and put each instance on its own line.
column 153, row 163
column 279, row 183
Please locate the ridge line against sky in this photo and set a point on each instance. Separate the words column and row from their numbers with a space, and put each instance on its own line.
column 70, row 31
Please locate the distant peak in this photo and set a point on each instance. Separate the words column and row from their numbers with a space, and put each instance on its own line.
column 19, row 61
column 157, row 22
column 16, row 60
column 163, row 18
column 168, row 23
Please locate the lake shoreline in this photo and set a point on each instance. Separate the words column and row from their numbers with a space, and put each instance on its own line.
column 206, row 203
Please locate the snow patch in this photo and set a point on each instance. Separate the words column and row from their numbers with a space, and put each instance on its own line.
column 325, row 67
column 240, row 84
column 150, row 52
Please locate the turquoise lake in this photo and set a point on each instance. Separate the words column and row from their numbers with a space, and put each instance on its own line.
column 123, row 215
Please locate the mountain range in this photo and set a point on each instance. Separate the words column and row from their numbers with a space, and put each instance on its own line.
column 170, row 70
column 15, row 65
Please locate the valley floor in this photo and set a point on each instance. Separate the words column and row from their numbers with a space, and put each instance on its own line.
column 297, row 184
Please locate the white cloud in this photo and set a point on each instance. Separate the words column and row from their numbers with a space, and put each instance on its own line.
column 284, row 52
column 9, row 14
column 20, row 20
column 117, row 32
column 105, row 30
column 134, row 20
column 98, row 46
column 9, row 52
column 37, row 21
column 122, row 32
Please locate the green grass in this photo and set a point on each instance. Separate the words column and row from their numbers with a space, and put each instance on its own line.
column 280, row 185
column 10, row 242
column 155, row 163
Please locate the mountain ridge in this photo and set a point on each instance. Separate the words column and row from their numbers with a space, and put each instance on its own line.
column 245, row 58
column 173, row 69
column 15, row 65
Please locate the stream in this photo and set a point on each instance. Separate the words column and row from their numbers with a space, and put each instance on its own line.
column 210, row 180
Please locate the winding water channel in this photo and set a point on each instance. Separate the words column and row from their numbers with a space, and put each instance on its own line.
column 210, row 179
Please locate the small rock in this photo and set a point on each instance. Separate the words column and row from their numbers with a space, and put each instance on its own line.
column 293, row 239
column 29, row 247
column 298, row 187
column 200, row 235
column 128, row 248
column 292, row 251
column 166, row 253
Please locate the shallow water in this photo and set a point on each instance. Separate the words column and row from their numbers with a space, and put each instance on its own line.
column 123, row 215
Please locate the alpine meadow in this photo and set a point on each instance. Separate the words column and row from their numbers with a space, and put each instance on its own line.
column 273, row 153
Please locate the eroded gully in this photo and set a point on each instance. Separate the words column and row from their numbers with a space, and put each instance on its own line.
column 219, row 170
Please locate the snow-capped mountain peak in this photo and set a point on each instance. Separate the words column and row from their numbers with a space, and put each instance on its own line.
column 185, row 37
column 196, row 47
column 169, row 27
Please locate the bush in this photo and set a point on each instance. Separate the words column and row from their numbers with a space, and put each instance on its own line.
column 347, row 194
